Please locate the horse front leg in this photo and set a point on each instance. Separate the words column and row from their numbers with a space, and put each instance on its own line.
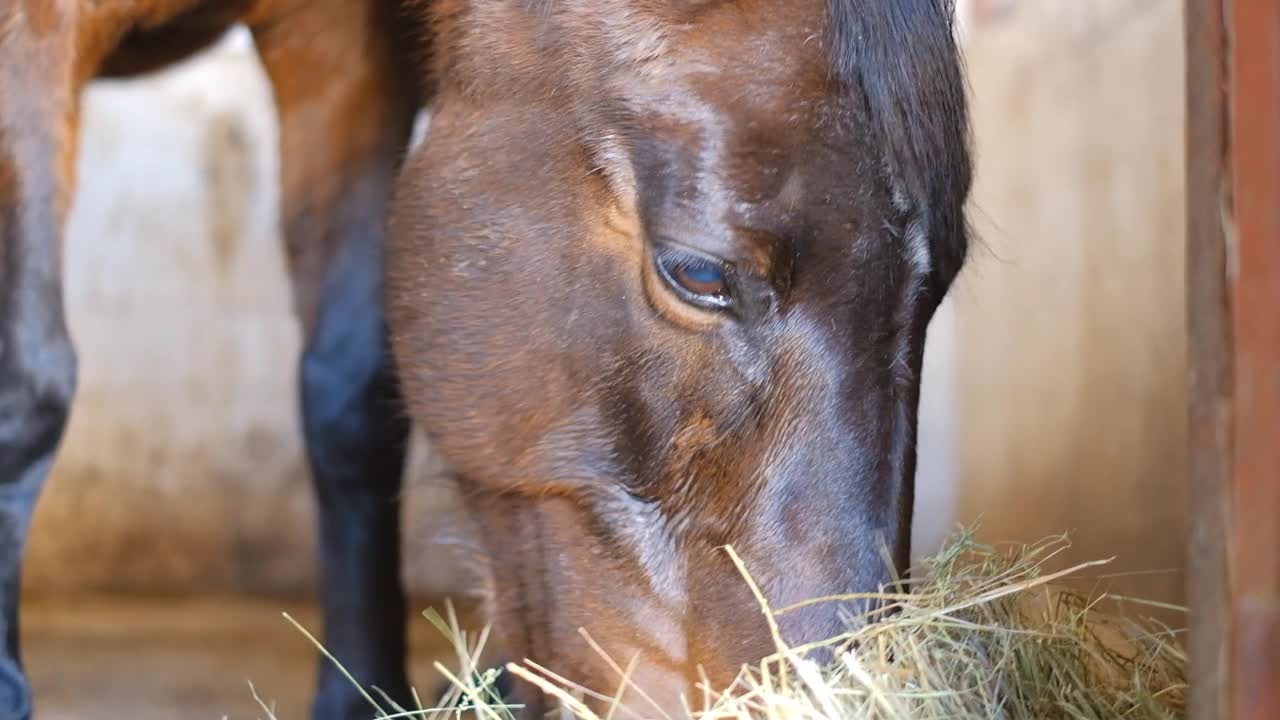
column 37, row 360
column 346, row 106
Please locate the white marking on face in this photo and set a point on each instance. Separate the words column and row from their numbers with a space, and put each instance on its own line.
column 916, row 238
column 614, row 163
column 918, row 249
column 574, row 453
column 648, row 534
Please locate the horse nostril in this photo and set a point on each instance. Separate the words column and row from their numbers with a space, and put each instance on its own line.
column 503, row 686
column 813, row 624
column 640, row 497
column 822, row 656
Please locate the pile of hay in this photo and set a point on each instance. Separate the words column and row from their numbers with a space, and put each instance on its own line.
column 986, row 633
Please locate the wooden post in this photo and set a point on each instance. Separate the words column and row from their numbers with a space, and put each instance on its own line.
column 1254, row 542
column 1208, row 357
column 1233, row 313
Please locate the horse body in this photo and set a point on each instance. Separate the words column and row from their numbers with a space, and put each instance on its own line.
column 346, row 95
column 657, row 281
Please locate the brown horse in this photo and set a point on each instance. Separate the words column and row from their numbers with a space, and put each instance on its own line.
column 658, row 281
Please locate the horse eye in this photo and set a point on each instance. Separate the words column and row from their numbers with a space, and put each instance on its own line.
column 697, row 280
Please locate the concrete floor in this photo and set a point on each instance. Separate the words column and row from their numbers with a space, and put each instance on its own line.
column 152, row 659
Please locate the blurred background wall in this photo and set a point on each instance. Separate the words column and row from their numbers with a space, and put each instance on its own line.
column 1054, row 381
column 1070, row 408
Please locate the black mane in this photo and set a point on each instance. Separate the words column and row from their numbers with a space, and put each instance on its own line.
column 903, row 56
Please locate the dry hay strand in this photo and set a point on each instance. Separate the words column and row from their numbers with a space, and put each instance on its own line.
column 986, row 633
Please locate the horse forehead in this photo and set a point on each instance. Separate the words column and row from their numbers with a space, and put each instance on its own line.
column 733, row 85
column 660, row 40
column 716, row 15
column 758, row 158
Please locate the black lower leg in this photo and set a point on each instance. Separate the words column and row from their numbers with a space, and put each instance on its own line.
column 29, row 436
column 357, row 437
column 37, row 381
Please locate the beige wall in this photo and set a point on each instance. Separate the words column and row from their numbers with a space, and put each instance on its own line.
column 1053, row 390
column 1070, row 363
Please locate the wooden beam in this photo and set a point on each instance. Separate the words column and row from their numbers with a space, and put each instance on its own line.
column 1255, row 302
column 1233, row 314
column 1208, row 357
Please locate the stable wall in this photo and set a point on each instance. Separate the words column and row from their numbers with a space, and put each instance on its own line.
column 1071, row 352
